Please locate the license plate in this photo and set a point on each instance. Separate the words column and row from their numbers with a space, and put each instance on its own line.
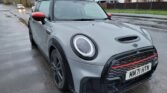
column 138, row 71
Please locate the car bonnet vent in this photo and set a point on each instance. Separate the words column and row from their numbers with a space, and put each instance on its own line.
column 128, row 39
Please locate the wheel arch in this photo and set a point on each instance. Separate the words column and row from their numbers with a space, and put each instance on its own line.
column 53, row 43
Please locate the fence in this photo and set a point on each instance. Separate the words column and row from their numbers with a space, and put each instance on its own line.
column 143, row 5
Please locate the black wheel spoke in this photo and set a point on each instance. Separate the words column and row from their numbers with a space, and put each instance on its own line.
column 59, row 76
column 57, row 67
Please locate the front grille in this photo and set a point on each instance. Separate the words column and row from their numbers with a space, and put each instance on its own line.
column 120, row 64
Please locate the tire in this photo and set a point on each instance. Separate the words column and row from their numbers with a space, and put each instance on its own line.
column 33, row 44
column 58, row 70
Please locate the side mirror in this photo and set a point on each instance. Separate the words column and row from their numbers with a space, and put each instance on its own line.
column 109, row 15
column 38, row 16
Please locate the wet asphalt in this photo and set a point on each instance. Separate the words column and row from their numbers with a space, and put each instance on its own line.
column 22, row 69
column 25, row 70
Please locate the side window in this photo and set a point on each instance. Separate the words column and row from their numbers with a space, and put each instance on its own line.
column 36, row 6
column 44, row 7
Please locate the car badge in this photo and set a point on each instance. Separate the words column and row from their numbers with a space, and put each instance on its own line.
column 135, row 45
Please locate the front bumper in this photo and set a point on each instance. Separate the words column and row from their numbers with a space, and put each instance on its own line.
column 112, row 85
column 89, row 78
column 112, row 78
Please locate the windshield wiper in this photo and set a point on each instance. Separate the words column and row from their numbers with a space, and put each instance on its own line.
column 89, row 19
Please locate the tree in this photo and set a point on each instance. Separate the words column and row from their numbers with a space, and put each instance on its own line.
column 7, row 1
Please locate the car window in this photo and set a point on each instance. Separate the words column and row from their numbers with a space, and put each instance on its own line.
column 44, row 7
column 92, row 9
column 36, row 6
column 73, row 10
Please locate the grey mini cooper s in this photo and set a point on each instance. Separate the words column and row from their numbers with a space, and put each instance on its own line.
column 87, row 51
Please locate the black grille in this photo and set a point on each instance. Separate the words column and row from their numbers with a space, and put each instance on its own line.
column 133, row 58
column 117, row 66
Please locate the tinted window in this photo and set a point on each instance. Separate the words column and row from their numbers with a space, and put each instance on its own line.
column 71, row 10
column 44, row 7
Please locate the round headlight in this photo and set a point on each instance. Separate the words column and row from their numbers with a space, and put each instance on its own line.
column 84, row 47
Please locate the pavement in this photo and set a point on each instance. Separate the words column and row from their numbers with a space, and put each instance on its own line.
column 152, row 23
column 164, row 17
column 24, row 70
column 22, row 16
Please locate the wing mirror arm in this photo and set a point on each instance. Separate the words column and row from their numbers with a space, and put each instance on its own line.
column 43, row 22
column 109, row 16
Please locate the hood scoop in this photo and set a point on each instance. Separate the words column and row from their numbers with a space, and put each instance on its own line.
column 128, row 39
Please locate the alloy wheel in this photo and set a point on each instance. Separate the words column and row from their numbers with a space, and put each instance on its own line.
column 57, row 68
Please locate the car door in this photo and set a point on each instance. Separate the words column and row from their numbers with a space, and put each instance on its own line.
column 35, row 25
column 44, row 28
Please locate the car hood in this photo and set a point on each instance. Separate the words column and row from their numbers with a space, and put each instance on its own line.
column 105, row 34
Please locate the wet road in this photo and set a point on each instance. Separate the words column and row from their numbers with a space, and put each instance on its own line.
column 24, row 70
column 159, row 24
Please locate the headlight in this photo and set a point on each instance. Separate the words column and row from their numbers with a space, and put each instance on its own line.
column 19, row 10
column 84, row 47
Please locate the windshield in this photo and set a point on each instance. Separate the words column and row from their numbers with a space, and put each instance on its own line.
column 78, row 10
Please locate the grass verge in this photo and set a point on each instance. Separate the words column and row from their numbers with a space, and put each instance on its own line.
column 138, row 11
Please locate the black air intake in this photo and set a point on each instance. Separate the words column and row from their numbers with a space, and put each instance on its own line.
column 128, row 39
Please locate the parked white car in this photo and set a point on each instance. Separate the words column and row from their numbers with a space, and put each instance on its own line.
column 21, row 7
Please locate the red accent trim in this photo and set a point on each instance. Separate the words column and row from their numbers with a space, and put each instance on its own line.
column 135, row 62
column 38, row 14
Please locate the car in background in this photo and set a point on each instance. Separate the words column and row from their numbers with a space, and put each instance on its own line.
column 20, row 8
column 87, row 51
